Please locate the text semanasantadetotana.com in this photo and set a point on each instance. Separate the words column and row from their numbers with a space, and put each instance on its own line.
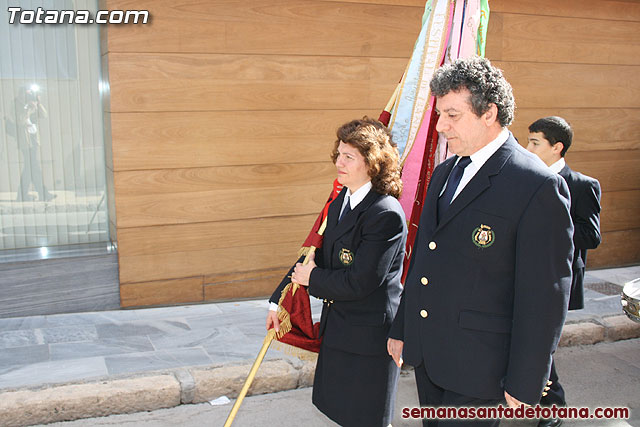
column 521, row 412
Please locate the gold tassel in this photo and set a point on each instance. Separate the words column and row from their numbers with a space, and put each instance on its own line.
column 290, row 350
column 283, row 316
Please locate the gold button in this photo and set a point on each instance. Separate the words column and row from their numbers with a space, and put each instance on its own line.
column 432, row 245
column 547, row 389
column 424, row 313
column 549, row 382
column 544, row 393
column 424, row 281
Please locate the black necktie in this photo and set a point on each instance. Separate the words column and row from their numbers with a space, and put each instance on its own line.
column 452, row 184
column 346, row 210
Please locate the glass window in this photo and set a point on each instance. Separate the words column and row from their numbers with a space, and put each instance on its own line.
column 52, row 158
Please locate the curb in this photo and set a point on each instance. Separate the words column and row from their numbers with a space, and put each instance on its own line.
column 605, row 329
column 148, row 392
column 159, row 390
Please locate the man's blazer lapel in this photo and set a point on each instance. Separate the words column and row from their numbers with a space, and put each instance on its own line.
column 480, row 182
column 438, row 180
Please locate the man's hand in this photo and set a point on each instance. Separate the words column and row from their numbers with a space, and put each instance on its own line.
column 272, row 319
column 512, row 401
column 394, row 348
column 302, row 272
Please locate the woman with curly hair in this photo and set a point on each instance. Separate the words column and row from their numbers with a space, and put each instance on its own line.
column 357, row 275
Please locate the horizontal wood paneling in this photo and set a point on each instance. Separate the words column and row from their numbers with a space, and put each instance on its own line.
column 224, row 113
column 579, row 60
column 617, row 248
column 258, row 288
column 164, row 181
column 249, row 285
column 416, row 3
column 206, row 82
column 161, row 292
column 212, row 235
column 616, row 170
column 539, row 85
column 217, row 279
column 220, row 205
column 594, row 129
column 536, row 38
column 263, row 255
column 229, row 138
column 620, row 10
column 620, row 210
column 297, row 27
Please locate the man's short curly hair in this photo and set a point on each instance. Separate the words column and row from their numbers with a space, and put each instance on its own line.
column 373, row 141
column 485, row 82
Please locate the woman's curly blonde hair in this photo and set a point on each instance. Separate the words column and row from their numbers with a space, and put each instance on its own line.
column 373, row 141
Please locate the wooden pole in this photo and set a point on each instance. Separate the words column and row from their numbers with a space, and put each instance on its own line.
column 252, row 373
column 263, row 351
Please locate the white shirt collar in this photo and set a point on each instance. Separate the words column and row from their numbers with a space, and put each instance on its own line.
column 481, row 156
column 558, row 166
column 478, row 159
column 358, row 196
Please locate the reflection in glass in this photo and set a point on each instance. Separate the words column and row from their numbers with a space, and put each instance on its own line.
column 52, row 164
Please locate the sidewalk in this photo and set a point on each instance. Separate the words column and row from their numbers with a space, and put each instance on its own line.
column 70, row 366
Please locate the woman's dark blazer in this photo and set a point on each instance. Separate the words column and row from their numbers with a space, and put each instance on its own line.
column 358, row 274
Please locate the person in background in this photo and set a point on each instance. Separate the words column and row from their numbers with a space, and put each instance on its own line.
column 550, row 138
column 30, row 112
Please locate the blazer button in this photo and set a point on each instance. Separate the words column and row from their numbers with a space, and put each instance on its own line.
column 424, row 281
column 432, row 245
column 424, row 314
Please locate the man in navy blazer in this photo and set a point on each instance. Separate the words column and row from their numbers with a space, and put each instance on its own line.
column 550, row 138
column 486, row 293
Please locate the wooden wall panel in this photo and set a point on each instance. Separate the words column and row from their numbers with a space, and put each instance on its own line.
column 263, row 255
column 620, row 210
column 161, row 292
column 297, row 27
column 205, row 82
column 188, row 180
column 594, row 129
column 537, row 38
column 248, row 285
column 212, row 235
column 225, row 138
column 221, row 205
column 609, row 10
column 223, row 114
column 618, row 248
column 579, row 60
column 557, row 85
column 616, row 170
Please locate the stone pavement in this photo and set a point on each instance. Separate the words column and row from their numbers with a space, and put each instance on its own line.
column 71, row 366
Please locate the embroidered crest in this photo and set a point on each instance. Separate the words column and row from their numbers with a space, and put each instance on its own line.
column 346, row 256
column 483, row 236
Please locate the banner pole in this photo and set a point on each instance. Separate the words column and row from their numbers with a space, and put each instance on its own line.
column 252, row 373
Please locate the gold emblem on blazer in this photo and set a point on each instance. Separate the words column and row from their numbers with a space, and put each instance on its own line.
column 483, row 236
column 346, row 256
